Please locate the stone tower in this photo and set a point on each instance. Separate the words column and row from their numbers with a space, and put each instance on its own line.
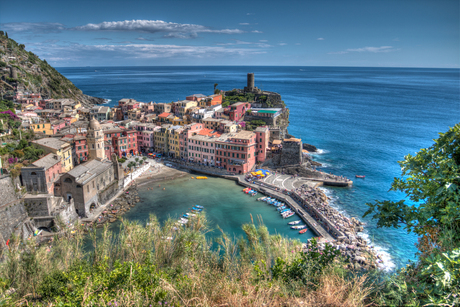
column 95, row 139
column 250, row 81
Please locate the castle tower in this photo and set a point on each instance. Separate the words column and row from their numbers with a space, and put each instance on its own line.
column 250, row 81
column 95, row 139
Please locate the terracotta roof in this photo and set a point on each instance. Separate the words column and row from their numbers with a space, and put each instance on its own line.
column 209, row 132
column 164, row 114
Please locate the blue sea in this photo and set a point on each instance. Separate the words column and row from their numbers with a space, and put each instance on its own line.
column 363, row 120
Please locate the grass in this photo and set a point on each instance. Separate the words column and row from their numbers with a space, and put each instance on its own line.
column 142, row 266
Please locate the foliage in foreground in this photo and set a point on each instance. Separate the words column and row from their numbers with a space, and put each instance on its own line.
column 431, row 179
column 149, row 265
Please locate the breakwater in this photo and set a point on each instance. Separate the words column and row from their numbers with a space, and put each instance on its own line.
column 333, row 227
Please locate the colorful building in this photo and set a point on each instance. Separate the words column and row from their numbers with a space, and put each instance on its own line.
column 236, row 152
column 58, row 147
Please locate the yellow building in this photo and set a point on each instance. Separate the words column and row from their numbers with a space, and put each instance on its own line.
column 58, row 147
column 174, row 141
column 44, row 128
column 162, row 139
column 183, row 106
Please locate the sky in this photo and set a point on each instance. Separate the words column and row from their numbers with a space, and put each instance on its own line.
column 370, row 33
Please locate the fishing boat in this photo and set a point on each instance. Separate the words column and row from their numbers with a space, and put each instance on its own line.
column 303, row 231
column 299, row 227
column 288, row 215
column 294, row 222
column 360, row 176
column 199, row 207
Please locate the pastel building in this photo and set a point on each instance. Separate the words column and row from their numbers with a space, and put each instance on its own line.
column 40, row 176
column 236, row 152
column 262, row 137
column 58, row 147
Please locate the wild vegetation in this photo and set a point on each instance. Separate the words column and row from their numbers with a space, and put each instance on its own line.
column 154, row 265
column 33, row 74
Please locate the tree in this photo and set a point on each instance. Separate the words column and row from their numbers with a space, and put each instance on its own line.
column 215, row 86
column 431, row 179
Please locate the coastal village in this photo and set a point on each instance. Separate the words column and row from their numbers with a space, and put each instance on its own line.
column 89, row 158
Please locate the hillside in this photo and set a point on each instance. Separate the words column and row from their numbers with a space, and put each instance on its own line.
column 22, row 70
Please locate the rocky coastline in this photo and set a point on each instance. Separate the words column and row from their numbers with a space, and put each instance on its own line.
column 346, row 230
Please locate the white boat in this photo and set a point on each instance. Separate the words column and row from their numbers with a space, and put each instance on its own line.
column 295, row 222
column 288, row 215
column 298, row 227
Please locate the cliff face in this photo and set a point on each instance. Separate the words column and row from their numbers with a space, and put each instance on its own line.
column 24, row 71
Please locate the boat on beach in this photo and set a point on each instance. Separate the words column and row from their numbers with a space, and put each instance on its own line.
column 295, row 222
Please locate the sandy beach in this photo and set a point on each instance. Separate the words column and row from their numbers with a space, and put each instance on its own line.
column 159, row 172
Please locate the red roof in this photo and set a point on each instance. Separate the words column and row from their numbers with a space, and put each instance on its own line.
column 209, row 132
column 164, row 114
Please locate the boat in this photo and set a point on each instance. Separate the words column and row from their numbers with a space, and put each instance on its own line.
column 261, row 198
column 199, row 207
column 201, row 177
column 299, row 227
column 294, row 222
column 360, row 176
column 281, row 208
column 303, row 231
column 285, row 210
column 288, row 215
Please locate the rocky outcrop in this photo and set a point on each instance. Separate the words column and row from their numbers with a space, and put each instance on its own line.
column 26, row 72
column 309, row 148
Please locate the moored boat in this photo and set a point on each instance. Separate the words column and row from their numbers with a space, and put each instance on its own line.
column 295, row 222
column 299, row 227
column 199, row 207
column 303, row 231
column 288, row 215
column 360, row 176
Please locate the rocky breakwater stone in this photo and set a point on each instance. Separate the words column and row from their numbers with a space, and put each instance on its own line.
column 121, row 205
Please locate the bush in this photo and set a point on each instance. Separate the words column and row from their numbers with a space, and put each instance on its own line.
column 121, row 160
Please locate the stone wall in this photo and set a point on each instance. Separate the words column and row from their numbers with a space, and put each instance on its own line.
column 108, row 192
column 13, row 215
column 291, row 153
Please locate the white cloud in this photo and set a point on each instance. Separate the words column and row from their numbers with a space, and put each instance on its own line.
column 176, row 30
column 257, row 31
column 34, row 27
column 320, row 39
column 74, row 53
column 263, row 40
column 282, row 44
column 144, row 39
column 240, row 42
column 367, row 49
column 244, row 24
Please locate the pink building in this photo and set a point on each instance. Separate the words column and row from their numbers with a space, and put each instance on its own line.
column 57, row 126
column 262, row 136
column 81, row 148
column 237, row 110
column 145, row 136
column 148, row 108
column 202, row 147
column 236, row 152
column 189, row 130
column 41, row 175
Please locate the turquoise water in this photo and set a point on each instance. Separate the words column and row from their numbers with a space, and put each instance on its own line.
column 226, row 206
column 364, row 119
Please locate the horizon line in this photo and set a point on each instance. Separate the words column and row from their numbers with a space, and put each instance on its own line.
column 421, row 67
